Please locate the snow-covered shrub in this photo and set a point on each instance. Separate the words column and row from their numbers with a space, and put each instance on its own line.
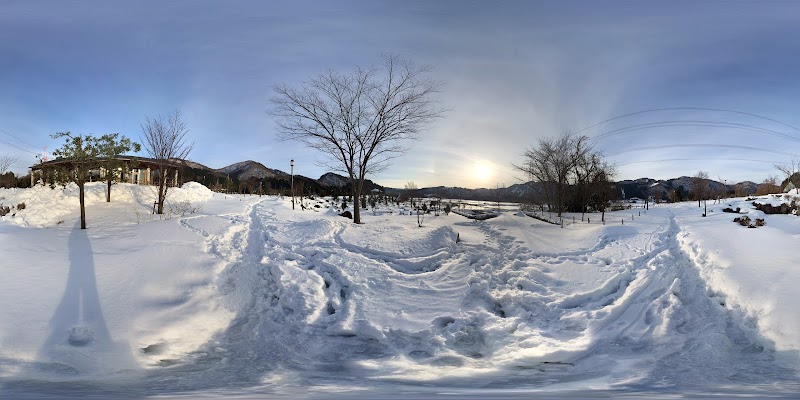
column 21, row 206
column 182, row 208
column 4, row 210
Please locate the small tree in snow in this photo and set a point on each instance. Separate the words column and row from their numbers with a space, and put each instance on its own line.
column 164, row 139
column 700, row 185
column 791, row 170
column 109, row 148
column 5, row 163
column 79, row 154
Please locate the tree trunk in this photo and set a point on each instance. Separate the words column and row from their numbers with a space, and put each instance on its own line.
column 108, row 192
column 162, row 182
column 356, row 206
column 83, row 206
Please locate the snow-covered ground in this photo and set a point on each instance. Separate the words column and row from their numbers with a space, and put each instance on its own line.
column 241, row 296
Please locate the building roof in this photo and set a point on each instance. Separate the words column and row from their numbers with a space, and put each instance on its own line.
column 144, row 160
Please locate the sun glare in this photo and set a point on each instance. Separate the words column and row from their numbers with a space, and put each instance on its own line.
column 483, row 170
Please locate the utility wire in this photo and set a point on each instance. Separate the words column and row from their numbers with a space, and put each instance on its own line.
column 20, row 140
column 732, row 146
column 17, row 147
column 693, row 123
column 688, row 109
column 696, row 159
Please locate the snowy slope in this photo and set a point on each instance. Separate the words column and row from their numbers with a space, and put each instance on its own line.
column 251, row 169
column 243, row 296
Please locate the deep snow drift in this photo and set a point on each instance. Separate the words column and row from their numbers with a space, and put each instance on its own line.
column 240, row 295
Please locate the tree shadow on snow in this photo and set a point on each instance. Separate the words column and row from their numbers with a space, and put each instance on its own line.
column 79, row 339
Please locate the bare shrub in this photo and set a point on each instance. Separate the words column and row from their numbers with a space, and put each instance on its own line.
column 182, row 208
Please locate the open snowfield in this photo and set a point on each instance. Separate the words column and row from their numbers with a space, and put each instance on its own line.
column 242, row 296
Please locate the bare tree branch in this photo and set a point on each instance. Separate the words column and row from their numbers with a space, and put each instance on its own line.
column 791, row 170
column 360, row 120
column 164, row 140
column 5, row 163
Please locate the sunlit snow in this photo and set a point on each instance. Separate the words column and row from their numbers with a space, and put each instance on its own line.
column 233, row 295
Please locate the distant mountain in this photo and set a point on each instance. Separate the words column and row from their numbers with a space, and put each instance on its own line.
column 640, row 188
column 342, row 183
column 250, row 169
column 332, row 183
column 513, row 193
column 334, row 180
column 274, row 179
column 662, row 189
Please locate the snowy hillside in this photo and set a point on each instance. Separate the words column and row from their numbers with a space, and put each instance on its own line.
column 335, row 180
column 242, row 296
column 251, row 169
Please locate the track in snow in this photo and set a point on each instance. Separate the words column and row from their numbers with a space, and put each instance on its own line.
column 315, row 309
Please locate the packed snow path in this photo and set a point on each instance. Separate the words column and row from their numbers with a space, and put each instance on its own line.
column 310, row 304
column 334, row 302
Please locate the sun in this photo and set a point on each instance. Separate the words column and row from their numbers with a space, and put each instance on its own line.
column 483, row 170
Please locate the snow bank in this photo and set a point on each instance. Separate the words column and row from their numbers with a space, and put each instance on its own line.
column 246, row 292
column 753, row 271
column 46, row 207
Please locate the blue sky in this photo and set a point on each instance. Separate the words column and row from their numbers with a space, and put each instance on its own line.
column 511, row 72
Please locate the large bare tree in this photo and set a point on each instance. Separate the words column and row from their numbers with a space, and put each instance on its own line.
column 164, row 140
column 568, row 172
column 551, row 163
column 361, row 119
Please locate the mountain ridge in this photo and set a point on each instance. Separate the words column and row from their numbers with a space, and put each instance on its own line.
column 333, row 182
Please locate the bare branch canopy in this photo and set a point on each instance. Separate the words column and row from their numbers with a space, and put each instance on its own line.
column 164, row 139
column 359, row 120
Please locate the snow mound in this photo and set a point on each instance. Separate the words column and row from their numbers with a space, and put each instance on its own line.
column 47, row 207
column 197, row 191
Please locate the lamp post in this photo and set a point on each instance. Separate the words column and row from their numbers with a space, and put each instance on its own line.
column 291, row 163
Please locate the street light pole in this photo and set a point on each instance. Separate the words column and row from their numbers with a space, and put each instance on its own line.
column 292, row 164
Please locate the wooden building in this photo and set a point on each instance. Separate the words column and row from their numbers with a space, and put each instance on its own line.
column 137, row 170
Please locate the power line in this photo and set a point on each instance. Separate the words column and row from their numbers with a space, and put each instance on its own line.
column 20, row 140
column 696, row 159
column 688, row 109
column 17, row 147
column 733, row 146
column 693, row 123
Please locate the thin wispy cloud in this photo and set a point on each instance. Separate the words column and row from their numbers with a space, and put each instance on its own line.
column 511, row 72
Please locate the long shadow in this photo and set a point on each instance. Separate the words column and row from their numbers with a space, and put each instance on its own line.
column 80, row 338
column 79, row 349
